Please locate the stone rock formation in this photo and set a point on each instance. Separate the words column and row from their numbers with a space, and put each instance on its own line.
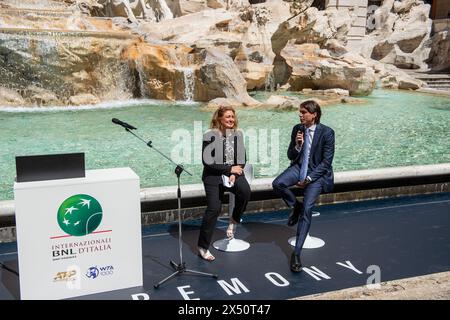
column 67, row 52
column 315, row 68
column 439, row 55
column 155, row 10
column 177, row 72
column 401, row 34
column 310, row 53
column 48, row 67
column 218, row 76
column 243, row 34
column 159, row 68
column 391, row 77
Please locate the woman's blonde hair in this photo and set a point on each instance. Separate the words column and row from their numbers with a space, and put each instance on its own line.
column 215, row 121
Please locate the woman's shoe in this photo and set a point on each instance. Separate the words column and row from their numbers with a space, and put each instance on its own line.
column 231, row 229
column 205, row 254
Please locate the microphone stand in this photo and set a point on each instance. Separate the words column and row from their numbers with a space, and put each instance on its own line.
column 179, row 268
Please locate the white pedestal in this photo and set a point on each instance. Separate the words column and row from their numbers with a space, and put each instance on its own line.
column 231, row 245
column 310, row 242
column 79, row 236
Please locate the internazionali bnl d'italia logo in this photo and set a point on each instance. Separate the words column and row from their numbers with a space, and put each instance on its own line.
column 79, row 215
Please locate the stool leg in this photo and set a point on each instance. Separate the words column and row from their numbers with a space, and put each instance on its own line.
column 232, row 198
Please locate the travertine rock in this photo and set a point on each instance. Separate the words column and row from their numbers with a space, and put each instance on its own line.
column 401, row 35
column 440, row 49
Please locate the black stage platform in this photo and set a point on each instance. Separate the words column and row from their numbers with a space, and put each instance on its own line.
column 403, row 237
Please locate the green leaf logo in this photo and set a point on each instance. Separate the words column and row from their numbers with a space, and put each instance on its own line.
column 79, row 215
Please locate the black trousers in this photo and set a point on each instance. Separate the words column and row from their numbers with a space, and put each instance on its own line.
column 214, row 197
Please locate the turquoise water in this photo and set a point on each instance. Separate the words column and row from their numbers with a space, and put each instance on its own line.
column 391, row 129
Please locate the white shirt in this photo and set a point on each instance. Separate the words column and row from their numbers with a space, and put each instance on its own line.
column 312, row 129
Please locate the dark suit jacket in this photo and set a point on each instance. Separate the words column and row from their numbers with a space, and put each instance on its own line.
column 213, row 156
column 320, row 157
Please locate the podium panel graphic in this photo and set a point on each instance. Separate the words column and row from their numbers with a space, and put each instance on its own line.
column 79, row 236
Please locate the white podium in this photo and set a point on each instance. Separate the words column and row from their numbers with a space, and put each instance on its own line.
column 79, row 236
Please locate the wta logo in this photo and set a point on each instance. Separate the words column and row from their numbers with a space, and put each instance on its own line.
column 94, row 272
column 79, row 215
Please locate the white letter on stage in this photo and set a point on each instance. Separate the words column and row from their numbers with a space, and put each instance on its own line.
column 235, row 287
column 349, row 265
column 186, row 294
column 316, row 272
column 283, row 282
column 137, row 296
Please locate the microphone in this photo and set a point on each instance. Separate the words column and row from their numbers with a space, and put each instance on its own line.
column 123, row 124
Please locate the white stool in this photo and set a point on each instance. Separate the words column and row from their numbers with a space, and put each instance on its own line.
column 233, row 244
column 310, row 242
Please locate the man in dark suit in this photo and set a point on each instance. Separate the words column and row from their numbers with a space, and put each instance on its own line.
column 311, row 152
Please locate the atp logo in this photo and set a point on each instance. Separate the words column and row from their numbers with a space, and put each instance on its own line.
column 79, row 215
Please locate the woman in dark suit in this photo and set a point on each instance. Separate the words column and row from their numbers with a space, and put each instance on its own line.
column 223, row 155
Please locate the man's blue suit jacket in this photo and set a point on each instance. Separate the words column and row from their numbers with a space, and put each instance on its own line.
column 320, row 156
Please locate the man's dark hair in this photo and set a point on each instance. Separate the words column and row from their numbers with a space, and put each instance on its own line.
column 312, row 107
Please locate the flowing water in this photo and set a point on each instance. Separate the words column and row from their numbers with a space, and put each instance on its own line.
column 188, row 77
column 270, row 82
column 392, row 129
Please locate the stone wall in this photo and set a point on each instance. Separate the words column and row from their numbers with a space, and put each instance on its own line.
column 358, row 29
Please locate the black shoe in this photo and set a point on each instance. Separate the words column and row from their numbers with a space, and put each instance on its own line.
column 296, row 264
column 295, row 214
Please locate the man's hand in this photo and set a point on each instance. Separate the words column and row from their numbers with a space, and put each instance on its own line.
column 302, row 184
column 299, row 138
column 232, row 178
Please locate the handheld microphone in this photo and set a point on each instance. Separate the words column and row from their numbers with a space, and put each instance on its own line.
column 123, row 124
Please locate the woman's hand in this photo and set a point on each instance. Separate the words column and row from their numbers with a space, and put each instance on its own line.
column 232, row 179
column 237, row 170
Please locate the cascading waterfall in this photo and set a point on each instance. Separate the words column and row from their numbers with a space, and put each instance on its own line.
column 270, row 82
column 39, row 61
column 142, row 77
column 188, row 83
